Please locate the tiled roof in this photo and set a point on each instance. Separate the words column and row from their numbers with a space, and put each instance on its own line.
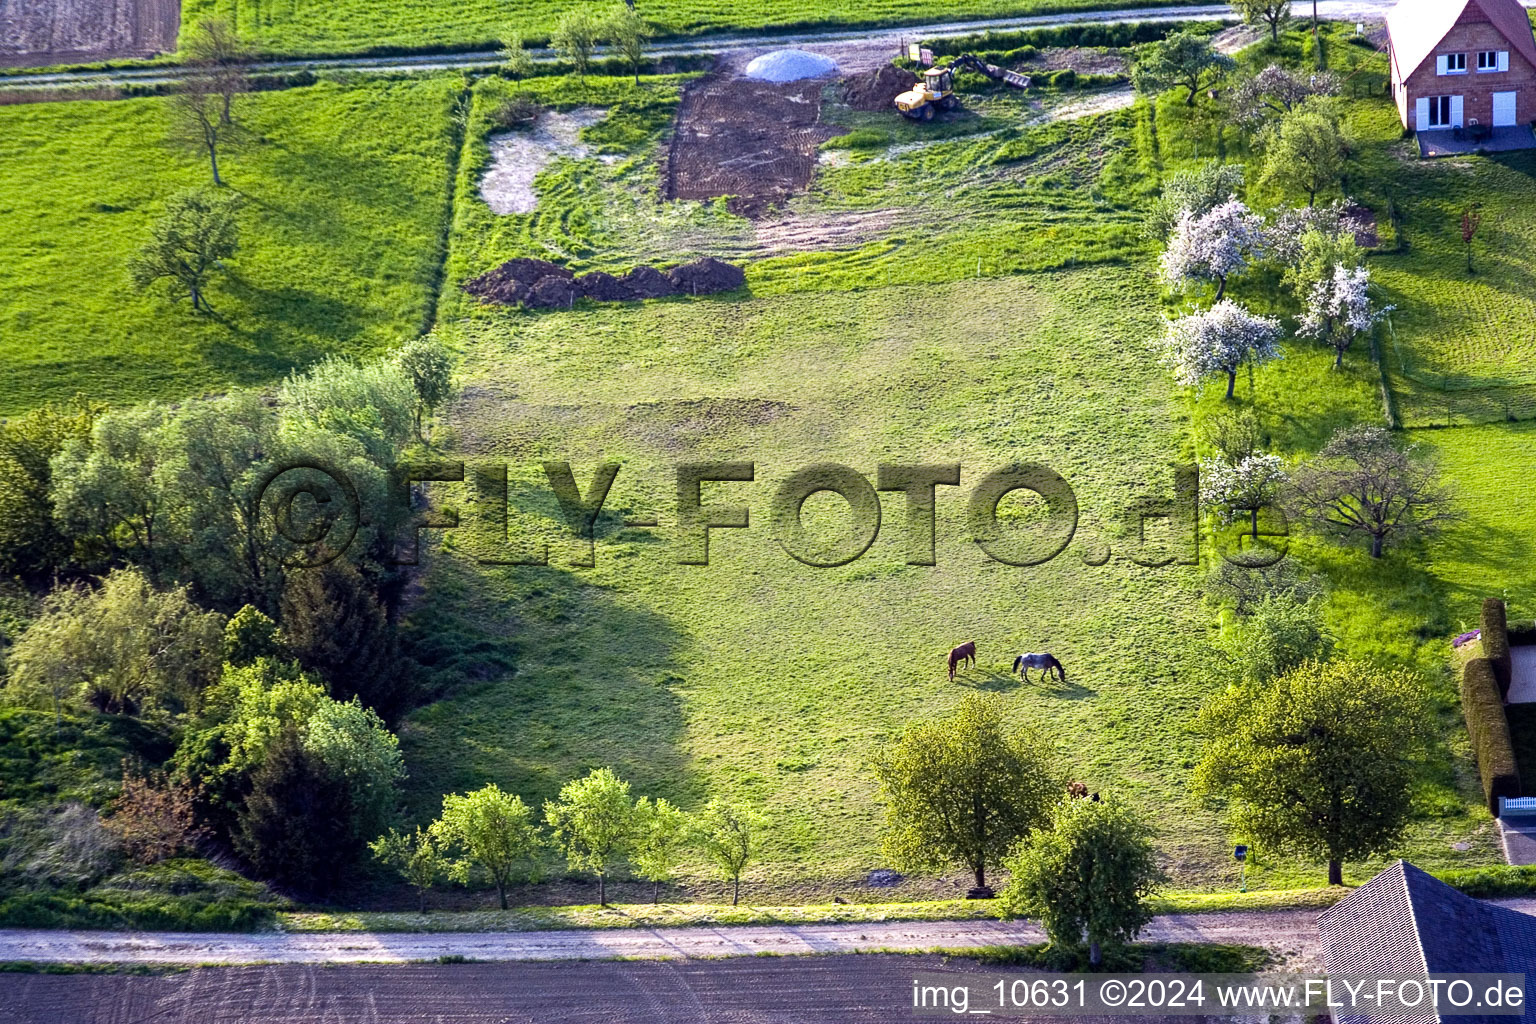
column 1408, row 924
column 1418, row 26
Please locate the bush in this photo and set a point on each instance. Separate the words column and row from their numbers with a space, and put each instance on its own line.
column 333, row 623
column 1492, row 882
column 155, row 818
column 1489, row 730
column 1496, row 642
column 517, row 111
column 1116, row 35
column 296, row 824
column 859, row 138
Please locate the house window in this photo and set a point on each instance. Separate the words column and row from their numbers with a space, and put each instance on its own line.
column 1456, row 63
column 1439, row 111
column 1488, row 60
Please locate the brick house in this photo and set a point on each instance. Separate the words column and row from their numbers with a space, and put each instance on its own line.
column 1461, row 62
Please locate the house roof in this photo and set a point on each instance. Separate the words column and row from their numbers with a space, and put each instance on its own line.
column 1405, row 923
column 1418, row 26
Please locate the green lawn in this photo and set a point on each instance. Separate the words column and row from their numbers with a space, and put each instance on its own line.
column 357, row 26
column 346, row 190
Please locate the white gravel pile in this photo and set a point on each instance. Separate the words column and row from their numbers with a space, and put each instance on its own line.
column 790, row 66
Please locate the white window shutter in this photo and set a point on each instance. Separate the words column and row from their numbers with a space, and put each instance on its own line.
column 1456, row 111
column 1440, row 64
column 1503, row 60
column 1421, row 115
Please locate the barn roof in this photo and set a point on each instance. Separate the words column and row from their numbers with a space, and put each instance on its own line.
column 1418, row 26
column 1405, row 923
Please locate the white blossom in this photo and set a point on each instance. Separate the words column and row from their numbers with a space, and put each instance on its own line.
column 1291, row 224
column 1339, row 308
column 1213, row 246
column 1240, row 489
column 1218, row 341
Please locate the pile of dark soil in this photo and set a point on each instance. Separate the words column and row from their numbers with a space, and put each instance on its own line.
column 648, row 283
column 541, row 285
column 878, row 89
column 706, row 277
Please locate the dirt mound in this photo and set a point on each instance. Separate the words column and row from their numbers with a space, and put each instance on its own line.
column 754, row 141
column 512, row 282
column 877, row 89
column 706, row 277
column 603, row 287
column 648, row 283
column 552, row 292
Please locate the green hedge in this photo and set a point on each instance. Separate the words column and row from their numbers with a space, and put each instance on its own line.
column 1489, row 882
column 1117, row 35
column 1489, row 729
column 1496, row 642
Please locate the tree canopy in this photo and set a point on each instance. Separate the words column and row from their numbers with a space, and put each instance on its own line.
column 593, row 821
column 963, row 788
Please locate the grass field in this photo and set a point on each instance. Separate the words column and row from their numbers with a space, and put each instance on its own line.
column 305, row 27
column 346, row 190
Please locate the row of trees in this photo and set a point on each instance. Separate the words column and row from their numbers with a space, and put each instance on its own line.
column 594, row 823
column 577, row 35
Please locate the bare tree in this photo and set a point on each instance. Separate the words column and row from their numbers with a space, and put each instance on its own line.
column 1363, row 481
column 197, row 122
column 216, row 50
column 1471, row 220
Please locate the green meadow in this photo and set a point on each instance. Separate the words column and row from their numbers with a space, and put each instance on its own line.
column 346, row 199
column 308, row 27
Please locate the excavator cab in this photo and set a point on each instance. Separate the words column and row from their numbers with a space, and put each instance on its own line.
column 935, row 92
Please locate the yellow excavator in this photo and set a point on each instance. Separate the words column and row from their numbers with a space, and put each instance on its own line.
column 937, row 89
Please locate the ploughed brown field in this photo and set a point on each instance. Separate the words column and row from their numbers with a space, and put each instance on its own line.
column 38, row 33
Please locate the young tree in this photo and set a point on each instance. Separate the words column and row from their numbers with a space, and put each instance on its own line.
column 111, row 491
column 1213, row 246
column 1321, row 761
column 728, row 833
column 1275, row 635
column 662, row 832
column 1339, row 309
column 1086, row 876
column 574, row 38
column 428, row 365
column 1363, row 481
column 1196, row 192
column 1242, row 487
column 1184, row 59
column 518, row 61
column 1275, row 92
column 187, row 245
column 123, row 648
column 249, row 636
column 492, row 830
column 1306, row 152
column 593, row 821
column 295, row 826
column 963, row 788
column 216, row 50
column 31, row 540
column 1274, row 13
column 415, row 856
column 1471, row 220
column 629, row 32
column 197, row 118
column 1219, row 341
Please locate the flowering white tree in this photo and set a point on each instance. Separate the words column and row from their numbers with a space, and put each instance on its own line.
column 1289, row 226
column 1275, row 92
column 1232, row 489
column 1213, row 246
column 1220, row 340
column 1339, row 309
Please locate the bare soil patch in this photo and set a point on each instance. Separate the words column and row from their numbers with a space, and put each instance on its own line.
column 518, row 156
column 36, row 33
column 753, row 141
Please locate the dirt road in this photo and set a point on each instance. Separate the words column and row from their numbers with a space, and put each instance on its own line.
column 1291, row 932
column 835, row 42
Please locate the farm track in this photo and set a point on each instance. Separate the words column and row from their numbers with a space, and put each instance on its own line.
column 1291, row 933
column 866, row 39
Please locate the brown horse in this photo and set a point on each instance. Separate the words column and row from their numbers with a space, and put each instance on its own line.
column 965, row 652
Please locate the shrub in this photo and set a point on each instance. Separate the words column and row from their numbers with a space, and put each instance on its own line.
column 517, row 111
column 335, row 626
column 1496, row 642
column 859, row 138
column 1489, row 730
column 296, row 824
column 155, row 818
